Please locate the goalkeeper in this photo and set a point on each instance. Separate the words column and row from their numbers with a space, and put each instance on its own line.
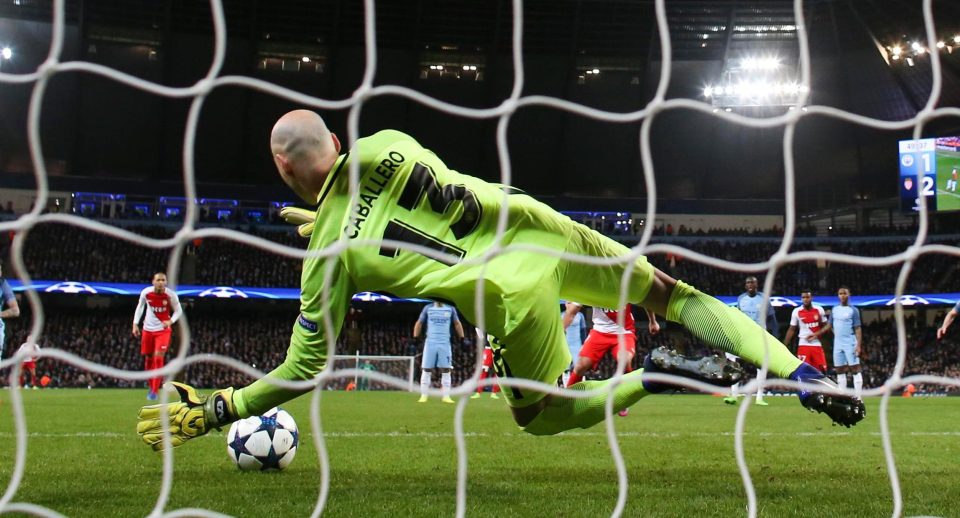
column 407, row 194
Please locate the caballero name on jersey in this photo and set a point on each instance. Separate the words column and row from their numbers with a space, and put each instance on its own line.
column 370, row 189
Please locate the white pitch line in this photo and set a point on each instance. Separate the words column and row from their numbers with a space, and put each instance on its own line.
column 449, row 435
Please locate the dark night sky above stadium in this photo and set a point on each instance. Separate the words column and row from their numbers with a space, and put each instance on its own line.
column 95, row 127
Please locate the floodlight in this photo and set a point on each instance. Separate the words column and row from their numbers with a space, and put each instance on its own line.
column 305, row 59
column 6, row 53
column 708, row 91
column 941, row 44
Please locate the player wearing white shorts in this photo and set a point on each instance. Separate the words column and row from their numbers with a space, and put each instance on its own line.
column 749, row 303
column 31, row 351
column 437, row 355
column 847, row 340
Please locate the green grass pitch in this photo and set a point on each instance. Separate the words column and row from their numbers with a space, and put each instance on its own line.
column 393, row 457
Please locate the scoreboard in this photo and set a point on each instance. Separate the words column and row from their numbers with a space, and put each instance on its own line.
column 938, row 159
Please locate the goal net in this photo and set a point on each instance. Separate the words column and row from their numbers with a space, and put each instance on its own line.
column 397, row 372
column 361, row 365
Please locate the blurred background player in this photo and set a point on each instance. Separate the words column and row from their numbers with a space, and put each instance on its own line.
column 812, row 323
column 437, row 355
column 488, row 369
column 952, row 181
column 30, row 350
column 575, row 332
column 947, row 321
column 9, row 306
column 749, row 303
column 157, row 300
column 605, row 337
column 847, row 340
column 363, row 382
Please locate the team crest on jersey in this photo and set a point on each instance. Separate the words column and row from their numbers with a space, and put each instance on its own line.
column 164, row 302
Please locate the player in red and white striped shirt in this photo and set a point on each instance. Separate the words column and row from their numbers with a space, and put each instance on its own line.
column 606, row 336
column 812, row 324
column 157, row 300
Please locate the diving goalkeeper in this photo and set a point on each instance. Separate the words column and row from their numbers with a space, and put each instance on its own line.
column 407, row 194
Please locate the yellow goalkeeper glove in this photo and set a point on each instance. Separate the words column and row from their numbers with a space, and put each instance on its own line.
column 305, row 219
column 192, row 417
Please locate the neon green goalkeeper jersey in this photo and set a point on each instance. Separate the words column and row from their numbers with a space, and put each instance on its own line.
column 407, row 194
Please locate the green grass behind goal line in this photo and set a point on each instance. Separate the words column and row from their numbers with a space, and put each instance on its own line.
column 393, row 457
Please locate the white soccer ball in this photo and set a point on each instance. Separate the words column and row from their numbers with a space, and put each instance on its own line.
column 262, row 443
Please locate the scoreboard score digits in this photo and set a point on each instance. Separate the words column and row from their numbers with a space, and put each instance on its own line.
column 939, row 161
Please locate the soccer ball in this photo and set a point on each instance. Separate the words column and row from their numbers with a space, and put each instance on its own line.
column 265, row 442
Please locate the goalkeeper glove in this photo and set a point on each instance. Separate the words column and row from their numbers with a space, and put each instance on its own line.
column 192, row 417
column 306, row 219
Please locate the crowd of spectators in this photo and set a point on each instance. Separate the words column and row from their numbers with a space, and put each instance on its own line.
column 81, row 255
column 226, row 262
column 931, row 272
column 261, row 340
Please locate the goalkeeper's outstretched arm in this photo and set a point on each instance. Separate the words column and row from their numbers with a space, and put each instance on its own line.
column 197, row 414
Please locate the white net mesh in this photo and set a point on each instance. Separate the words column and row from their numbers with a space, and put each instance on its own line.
column 198, row 93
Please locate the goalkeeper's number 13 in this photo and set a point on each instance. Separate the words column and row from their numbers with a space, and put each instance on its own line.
column 422, row 183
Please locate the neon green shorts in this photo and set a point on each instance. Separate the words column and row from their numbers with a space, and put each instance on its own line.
column 535, row 347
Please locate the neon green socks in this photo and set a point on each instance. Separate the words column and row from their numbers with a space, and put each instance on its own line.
column 727, row 329
column 565, row 413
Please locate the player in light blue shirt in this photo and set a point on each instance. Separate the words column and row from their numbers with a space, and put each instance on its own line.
column 749, row 303
column 9, row 306
column 575, row 331
column 847, row 340
column 437, row 354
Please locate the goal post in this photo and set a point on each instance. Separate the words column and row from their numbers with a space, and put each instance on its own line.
column 401, row 367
